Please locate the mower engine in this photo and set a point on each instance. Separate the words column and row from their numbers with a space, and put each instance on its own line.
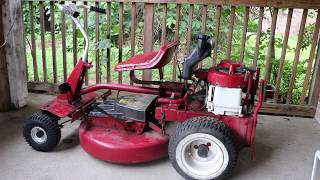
column 227, row 81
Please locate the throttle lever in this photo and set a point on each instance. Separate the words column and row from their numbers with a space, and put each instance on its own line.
column 97, row 9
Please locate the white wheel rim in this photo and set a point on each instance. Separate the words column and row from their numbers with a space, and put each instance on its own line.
column 189, row 161
column 38, row 135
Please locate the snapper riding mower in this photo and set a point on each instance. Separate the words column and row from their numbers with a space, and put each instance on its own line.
column 201, row 122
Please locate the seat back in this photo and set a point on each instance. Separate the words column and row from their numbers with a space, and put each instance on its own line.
column 167, row 52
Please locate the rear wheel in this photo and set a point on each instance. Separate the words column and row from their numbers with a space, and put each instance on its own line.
column 203, row 148
column 42, row 132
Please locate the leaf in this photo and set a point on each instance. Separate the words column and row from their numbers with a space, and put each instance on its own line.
column 104, row 44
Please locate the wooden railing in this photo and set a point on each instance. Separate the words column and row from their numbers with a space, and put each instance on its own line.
column 311, row 82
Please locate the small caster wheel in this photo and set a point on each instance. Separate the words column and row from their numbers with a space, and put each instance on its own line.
column 42, row 132
column 203, row 148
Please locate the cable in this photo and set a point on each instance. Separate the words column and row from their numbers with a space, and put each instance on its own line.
column 11, row 27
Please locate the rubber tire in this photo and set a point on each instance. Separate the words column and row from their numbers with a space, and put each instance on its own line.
column 49, row 124
column 208, row 125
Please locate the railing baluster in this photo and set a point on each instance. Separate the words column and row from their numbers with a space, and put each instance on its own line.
column 164, row 27
column 33, row 44
column 176, row 37
column 297, row 55
column 97, row 39
column 244, row 34
column 271, row 45
column 147, row 35
column 215, row 54
column 315, row 40
column 43, row 46
column 189, row 31
column 283, row 55
column 256, row 52
column 204, row 18
column 74, row 41
column 203, row 24
column 53, row 42
column 108, row 13
column 230, row 33
column 133, row 30
column 85, row 26
column 64, row 51
column 120, row 42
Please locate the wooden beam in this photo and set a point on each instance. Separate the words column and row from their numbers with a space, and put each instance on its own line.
column 269, row 57
column 258, row 41
column 283, row 56
column 297, row 56
column 15, row 52
column 5, row 100
column 286, row 109
column 148, row 35
column 305, row 4
column 230, row 33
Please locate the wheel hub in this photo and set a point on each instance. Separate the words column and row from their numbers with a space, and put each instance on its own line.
column 203, row 150
column 202, row 156
column 38, row 135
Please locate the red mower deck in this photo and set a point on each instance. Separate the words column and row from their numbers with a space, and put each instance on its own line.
column 120, row 146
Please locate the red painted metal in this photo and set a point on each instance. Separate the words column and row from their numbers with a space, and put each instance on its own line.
column 120, row 146
column 150, row 60
column 61, row 107
column 242, row 127
column 224, row 79
column 120, row 87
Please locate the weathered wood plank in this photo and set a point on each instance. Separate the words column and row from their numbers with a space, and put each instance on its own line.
column 315, row 40
column 315, row 86
column 148, row 37
column 133, row 30
column 97, row 39
column 286, row 109
column 64, row 47
column 176, row 37
column 85, row 26
column 244, row 34
column 283, row 55
column 256, row 52
column 204, row 19
column 164, row 26
column 305, row 4
column 74, row 42
column 189, row 31
column 53, row 43
column 33, row 43
column 108, row 14
column 271, row 45
column 120, row 40
column 5, row 100
column 297, row 56
column 14, row 52
column 43, row 45
column 217, row 33
column 230, row 33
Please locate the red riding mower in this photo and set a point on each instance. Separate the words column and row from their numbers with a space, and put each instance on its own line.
column 201, row 122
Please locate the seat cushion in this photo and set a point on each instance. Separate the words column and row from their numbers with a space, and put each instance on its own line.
column 141, row 61
column 149, row 60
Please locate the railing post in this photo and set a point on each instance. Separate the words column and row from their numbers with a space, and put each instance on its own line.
column 13, row 81
column 148, row 35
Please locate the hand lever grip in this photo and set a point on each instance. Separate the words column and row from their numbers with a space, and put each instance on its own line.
column 70, row 9
column 97, row 9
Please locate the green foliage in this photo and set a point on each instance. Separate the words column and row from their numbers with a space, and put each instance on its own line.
column 171, row 25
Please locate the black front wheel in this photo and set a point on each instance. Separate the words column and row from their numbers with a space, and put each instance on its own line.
column 42, row 132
